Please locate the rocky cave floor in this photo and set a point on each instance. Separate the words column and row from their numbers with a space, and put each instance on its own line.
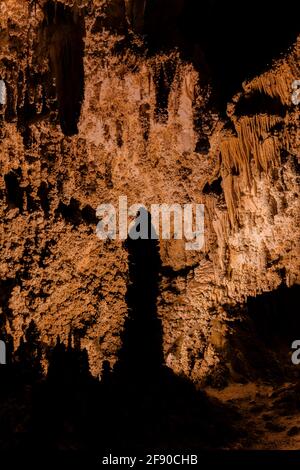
column 270, row 416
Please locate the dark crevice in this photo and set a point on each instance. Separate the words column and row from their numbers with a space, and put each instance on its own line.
column 144, row 115
column 31, row 204
column 259, row 103
column 26, row 109
column 119, row 133
column 14, row 193
column 108, row 175
column 35, row 102
column 46, row 253
column 172, row 274
column 202, row 144
column 65, row 29
column 214, row 188
column 25, row 273
column 70, row 212
column 10, row 110
column 89, row 215
column 164, row 76
column 202, row 108
column 73, row 214
column 43, row 194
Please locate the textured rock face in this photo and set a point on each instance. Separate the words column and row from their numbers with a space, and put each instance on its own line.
column 91, row 114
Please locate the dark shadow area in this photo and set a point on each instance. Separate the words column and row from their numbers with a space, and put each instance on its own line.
column 259, row 103
column 154, row 406
column 140, row 404
column 275, row 315
column 64, row 28
column 68, row 393
column 203, row 144
column 135, row 14
column 28, row 356
column 36, row 101
column 141, row 356
column 215, row 187
column 14, row 192
column 164, row 76
column 261, row 347
column 112, row 18
column 235, row 42
column 73, row 214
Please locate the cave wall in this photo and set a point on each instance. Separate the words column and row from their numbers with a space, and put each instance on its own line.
column 92, row 114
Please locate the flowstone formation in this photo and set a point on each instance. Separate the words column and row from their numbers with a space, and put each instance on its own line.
column 107, row 98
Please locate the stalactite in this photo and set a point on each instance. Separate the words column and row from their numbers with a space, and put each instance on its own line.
column 221, row 228
column 253, row 133
column 253, row 150
column 275, row 84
